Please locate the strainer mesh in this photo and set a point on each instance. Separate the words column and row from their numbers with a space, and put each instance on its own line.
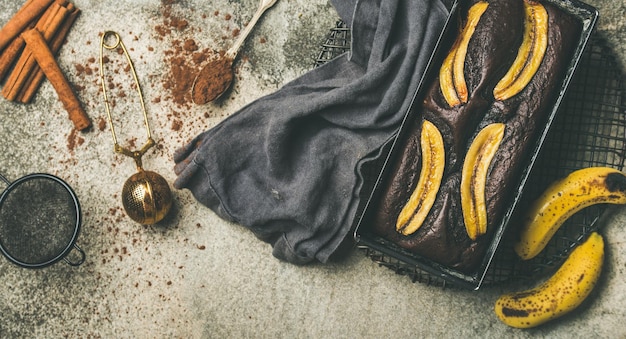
column 38, row 220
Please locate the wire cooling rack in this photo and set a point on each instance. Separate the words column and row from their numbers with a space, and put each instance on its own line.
column 337, row 43
column 590, row 130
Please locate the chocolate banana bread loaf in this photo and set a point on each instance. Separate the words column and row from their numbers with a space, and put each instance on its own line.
column 456, row 167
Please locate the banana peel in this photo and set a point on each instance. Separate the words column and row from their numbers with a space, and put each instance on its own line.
column 580, row 189
column 575, row 279
column 561, row 293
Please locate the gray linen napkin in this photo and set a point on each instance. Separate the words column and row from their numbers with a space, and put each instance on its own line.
column 287, row 165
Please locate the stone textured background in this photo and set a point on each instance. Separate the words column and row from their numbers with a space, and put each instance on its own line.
column 195, row 275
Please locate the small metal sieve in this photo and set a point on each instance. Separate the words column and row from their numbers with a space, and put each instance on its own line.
column 40, row 219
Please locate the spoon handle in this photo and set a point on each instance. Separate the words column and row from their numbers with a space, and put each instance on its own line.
column 263, row 6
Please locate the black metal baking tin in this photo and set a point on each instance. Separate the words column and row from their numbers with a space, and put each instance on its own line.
column 588, row 17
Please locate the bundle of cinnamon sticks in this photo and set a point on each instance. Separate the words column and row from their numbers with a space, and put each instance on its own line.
column 29, row 42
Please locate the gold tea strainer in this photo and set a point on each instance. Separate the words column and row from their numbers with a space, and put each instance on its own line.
column 146, row 195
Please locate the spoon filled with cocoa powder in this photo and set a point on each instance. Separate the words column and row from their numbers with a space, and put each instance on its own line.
column 217, row 75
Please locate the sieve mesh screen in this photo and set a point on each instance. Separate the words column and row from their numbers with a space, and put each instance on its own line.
column 38, row 220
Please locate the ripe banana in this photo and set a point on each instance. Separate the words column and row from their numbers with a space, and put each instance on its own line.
column 474, row 178
column 580, row 189
column 451, row 73
column 529, row 55
column 558, row 295
column 423, row 197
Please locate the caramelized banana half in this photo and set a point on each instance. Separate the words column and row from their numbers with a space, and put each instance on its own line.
column 530, row 54
column 474, row 178
column 445, row 80
column 451, row 73
column 423, row 197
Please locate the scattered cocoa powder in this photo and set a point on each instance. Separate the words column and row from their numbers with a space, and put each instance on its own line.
column 184, row 58
column 79, row 68
column 177, row 125
column 179, row 24
column 132, row 143
column 180, row 79
column 74, row 139
column 199, row 58
column 190, row 45
column 162, row 30
column 71, row 140
column 102, row 124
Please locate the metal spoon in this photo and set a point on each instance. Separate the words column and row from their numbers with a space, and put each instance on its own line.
column 216, row 76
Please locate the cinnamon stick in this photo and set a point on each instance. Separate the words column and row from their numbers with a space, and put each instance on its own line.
column 12, row 52
column 36, row 78
column 25, row 15
column 49, row 24
column 9, row 55
column 36, row 43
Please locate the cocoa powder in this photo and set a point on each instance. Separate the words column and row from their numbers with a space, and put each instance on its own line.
column 213, row 80
column 184, row 58
column 180, row 79
column 190, row 45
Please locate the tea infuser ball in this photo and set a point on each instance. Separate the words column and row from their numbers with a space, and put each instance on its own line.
column 146, row 195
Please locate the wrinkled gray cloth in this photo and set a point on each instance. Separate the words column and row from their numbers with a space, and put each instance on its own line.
column 287, row 165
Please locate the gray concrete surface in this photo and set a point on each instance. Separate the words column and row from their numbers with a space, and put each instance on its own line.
column 195, row 275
